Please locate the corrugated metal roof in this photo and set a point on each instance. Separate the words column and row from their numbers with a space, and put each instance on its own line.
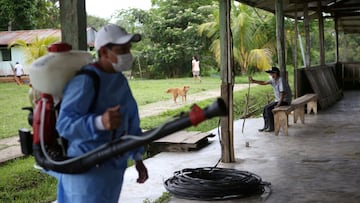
column 7, row 37
column 345, row 12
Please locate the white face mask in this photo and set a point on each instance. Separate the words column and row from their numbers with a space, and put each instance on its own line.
column 124, row 62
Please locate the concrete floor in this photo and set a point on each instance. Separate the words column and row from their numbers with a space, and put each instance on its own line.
column 317, row 162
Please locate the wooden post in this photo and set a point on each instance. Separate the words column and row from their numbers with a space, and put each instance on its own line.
column 73, row 23
column 296, row 33
column 227, row 84
column 336, row 40
column 280, row 36
column 321, row 33
column 307, row 35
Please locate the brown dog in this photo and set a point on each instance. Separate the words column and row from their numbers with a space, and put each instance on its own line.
column 179, row 91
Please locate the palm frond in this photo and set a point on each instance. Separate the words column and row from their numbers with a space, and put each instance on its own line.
column 19, row 42
column 260, row 58
column 36, row 48
column 215, row 48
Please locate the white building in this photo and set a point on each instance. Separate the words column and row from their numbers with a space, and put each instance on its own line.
column 9, row 56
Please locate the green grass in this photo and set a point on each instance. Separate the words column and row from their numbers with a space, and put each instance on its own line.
column 259, row 96
column 150, row 91
column 20, row 182
column 12, row 98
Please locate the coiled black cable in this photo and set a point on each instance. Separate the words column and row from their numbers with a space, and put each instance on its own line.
column 212, row 183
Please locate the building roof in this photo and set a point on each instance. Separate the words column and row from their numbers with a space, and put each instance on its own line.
column 345, row 12
column 7, row 37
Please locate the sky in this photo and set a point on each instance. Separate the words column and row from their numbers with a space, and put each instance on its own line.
column 105, row 8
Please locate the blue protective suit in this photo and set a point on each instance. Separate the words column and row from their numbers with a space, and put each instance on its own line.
column 76, row 124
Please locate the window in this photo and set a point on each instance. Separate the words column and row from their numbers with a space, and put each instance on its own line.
column 5, row 54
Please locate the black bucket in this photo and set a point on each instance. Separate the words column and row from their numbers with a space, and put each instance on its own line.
column 26, row 141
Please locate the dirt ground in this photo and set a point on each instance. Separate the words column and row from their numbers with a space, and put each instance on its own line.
column 161, row 106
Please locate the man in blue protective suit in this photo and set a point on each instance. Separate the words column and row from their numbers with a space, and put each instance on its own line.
column 87, row 124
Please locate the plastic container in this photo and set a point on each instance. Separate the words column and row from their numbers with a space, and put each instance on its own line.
column 50, row 73
column 26, row 141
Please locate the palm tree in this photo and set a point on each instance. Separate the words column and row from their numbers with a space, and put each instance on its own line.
column 36, row 48
column 251, row 46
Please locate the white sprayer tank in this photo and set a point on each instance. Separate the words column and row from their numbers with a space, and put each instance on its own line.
column 50, row 73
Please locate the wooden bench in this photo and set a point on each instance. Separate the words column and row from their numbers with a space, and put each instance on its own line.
column 297, row 105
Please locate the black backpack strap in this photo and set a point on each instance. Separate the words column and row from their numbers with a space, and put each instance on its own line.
column 96, row 81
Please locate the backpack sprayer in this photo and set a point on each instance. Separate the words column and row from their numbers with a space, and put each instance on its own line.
column 47, row 146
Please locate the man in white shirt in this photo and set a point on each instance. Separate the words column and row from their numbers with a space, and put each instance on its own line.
column 19, row 71
column 282, row 93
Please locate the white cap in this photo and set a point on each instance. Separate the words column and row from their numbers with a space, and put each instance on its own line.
column 114, row 34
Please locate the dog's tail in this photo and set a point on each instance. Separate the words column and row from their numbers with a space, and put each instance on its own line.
column 169, row 90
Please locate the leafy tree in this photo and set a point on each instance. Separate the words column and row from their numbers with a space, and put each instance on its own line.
column 36, row 48
column 349, row 47
column 96, row 22
column 252, row 46
column 47, row 14
column 29, row 14
column 132, row 19
column 171, row 27
column 16, row 16
column 329, row 40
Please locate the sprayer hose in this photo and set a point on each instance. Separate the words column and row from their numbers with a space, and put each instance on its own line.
column 214, row 184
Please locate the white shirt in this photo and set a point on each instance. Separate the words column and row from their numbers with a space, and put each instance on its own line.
column 278, row 86
column 195, row 65
column 18, row 69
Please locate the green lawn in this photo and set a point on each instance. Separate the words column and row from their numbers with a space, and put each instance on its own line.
column 14, row 97
column 20, row 182
column 150, row 91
